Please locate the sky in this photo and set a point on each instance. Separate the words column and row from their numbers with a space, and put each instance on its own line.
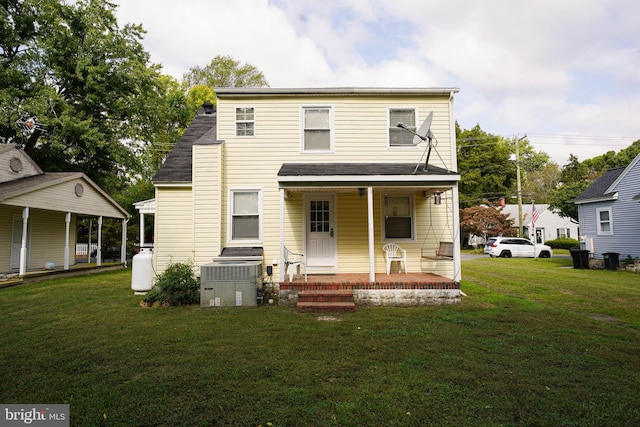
column 565, row 73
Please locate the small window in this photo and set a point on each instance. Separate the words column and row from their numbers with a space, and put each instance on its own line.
column 316, row 122
column 245, row 215
column 399, row 137
column 605, row 221
column 563, row 233
column 398, row 218
column 245, row 121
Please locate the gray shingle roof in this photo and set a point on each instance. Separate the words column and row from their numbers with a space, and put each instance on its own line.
column 177, row 167
column 600, row 186
column 359, row 169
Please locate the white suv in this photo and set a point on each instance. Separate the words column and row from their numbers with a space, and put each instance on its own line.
column 507, row 247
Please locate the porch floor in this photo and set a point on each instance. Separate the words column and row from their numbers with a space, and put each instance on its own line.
column 361, row 281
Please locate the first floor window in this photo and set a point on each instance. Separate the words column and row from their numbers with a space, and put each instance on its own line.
column 245, row 121
column 605, row 225
column 563, row 233
column 245, row 215
column 398, row 217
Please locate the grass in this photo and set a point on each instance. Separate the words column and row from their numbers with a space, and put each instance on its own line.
column 532, row 344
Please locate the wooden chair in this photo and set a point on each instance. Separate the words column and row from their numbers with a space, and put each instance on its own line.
column 393, row 252
column 295, row 260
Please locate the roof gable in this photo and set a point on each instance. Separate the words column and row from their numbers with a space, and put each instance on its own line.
column 605, row 186
column 61, row 191
column 16, row 164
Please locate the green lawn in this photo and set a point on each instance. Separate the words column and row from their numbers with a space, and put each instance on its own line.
column 533, row 344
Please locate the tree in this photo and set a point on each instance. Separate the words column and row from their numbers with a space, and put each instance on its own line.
column 573, row 181
column 82, row 79
column 485, row 166
column 485, row 220
column 224, row 71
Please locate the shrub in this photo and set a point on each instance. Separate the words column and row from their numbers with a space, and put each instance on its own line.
column 177, row 285
column 563, row 243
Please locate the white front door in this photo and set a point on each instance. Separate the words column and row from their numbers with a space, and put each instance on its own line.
column 16, row 242
column 320, row 225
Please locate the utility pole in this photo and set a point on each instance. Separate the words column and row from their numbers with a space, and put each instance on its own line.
column 519, row 187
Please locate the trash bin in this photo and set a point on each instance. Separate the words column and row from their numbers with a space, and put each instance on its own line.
column 611, row 260
column 580, row 258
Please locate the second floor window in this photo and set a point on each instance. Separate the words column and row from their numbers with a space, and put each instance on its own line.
column 245, row 121
column 399, row 137
column 316, row 122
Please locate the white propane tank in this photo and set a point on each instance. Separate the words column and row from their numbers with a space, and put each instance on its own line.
column 142, row 271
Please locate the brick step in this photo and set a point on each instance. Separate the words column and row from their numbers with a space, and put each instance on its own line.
column 325, row 307
column 325, row 296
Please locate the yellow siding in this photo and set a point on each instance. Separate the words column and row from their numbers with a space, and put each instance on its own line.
column 173, row 226
column 47, row 237
column 207, row 215
column 6, row 230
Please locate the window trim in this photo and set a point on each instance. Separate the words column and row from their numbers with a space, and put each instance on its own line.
column 599, row 223
column 331, row 148
column 231, row 216
column 236, row 121
column 391, row 126
column 412, row 209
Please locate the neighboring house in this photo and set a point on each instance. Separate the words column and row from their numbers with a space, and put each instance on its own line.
column 609, row 212
column 323, row 172
column 38, row 213
column 549, row 225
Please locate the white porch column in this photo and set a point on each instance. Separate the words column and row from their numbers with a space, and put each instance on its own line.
column 372, row 249
column 141, row 229
column 99, row 253
column 281, row 262
column 89, row 244
column 457, row 276
column 123, row 248
column 23, row 246
column 67, row 222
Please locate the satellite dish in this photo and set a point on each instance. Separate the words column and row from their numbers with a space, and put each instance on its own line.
column 424, row 131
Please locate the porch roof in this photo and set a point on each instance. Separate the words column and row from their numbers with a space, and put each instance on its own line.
column 364, row 174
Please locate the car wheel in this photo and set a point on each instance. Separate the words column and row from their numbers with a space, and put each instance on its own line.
column 544, row 254
column 505, row 254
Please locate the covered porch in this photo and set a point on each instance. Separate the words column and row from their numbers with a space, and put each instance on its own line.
column 339, row 216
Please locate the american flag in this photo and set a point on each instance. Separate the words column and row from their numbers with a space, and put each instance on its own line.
column 534, row 215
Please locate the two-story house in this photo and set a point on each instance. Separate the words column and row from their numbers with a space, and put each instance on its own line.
column 327, row 173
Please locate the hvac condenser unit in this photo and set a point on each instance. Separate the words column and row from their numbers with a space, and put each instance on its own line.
column 230, row 283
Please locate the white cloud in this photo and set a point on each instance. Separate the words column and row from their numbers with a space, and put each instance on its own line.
column 546, row 68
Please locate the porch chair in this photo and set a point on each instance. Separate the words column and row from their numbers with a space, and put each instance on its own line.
column 292, row 259
column 393, row 252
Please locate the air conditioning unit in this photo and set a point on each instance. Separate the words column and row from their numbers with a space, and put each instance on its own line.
column 230, row 283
